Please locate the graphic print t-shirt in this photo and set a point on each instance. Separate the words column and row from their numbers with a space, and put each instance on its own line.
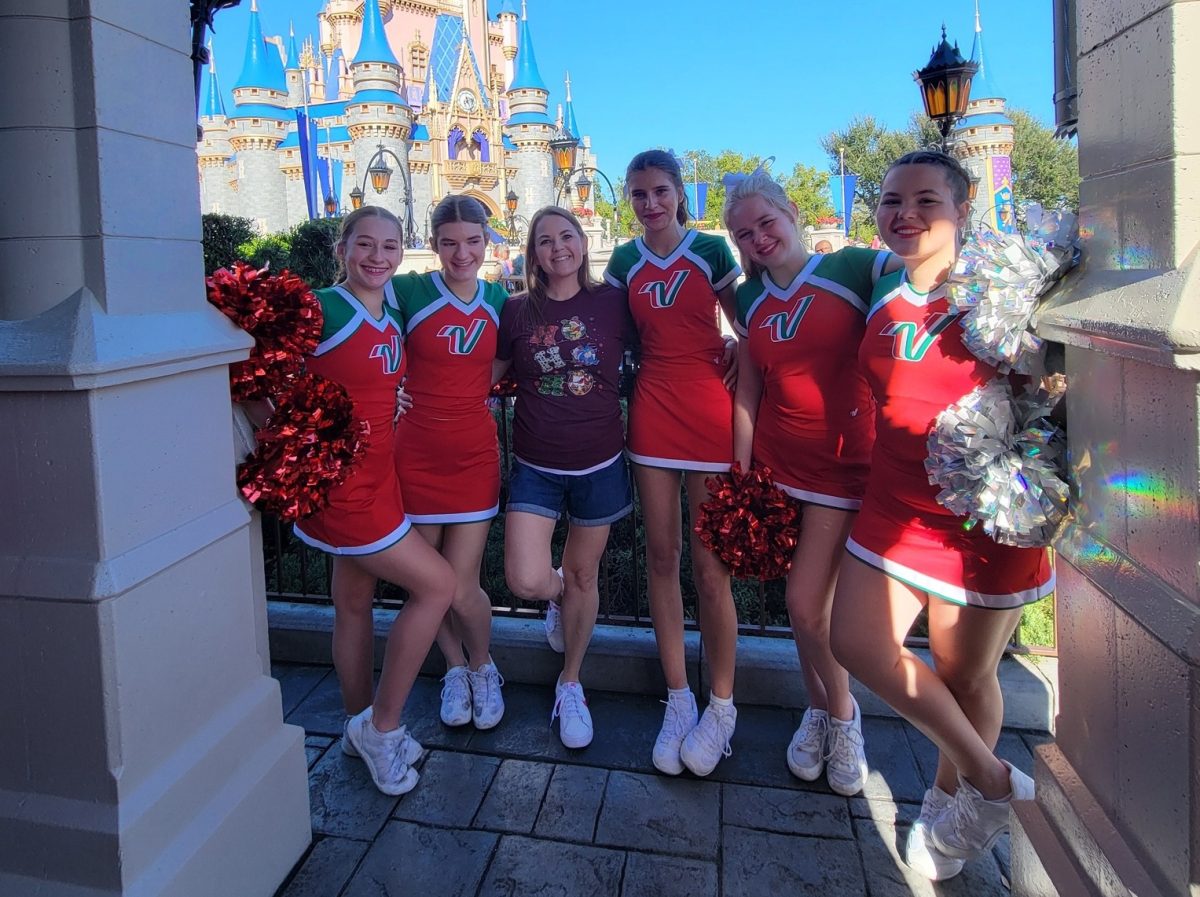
column 568, row 413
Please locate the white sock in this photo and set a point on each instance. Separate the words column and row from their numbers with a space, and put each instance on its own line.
column 686, row 691
column 720, row 702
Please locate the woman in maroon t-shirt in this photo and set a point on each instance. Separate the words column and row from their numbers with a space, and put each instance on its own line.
column 564, row 339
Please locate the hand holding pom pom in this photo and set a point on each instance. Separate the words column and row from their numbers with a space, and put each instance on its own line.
column 750, row 524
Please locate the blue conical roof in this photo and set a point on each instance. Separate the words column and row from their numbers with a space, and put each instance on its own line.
column 569, row 113
column 527, row 75
column 374, row 46
column 213, row 104
column 262, row 67
column 982, row 86
column 507, row 6
column 293, row 57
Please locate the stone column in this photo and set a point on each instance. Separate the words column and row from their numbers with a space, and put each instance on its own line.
column 142, row 749
column 1118, row 805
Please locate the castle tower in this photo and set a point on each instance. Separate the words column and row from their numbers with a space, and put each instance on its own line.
column 256, row 128
column 984, row 143
column 529, row 128
column 213, row 149
column 378, row 114
column 293, row 73
column 508, row 18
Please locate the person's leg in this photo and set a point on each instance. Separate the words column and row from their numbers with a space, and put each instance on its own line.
column 718, row 616
column 967, row 644
column 449, row 640
column 658, row 491
column 581, row 596
column 872, row 615
column 353, row 594
column 462, row 546
column 528, row 568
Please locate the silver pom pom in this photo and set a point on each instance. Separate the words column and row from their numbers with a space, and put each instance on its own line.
column 997, row 281
column 1000, row 462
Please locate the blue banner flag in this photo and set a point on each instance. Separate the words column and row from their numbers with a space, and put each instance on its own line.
column 841, row 196
column 306, row 131
column 698, row 206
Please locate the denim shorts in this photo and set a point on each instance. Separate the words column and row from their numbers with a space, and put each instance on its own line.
column 592, row 499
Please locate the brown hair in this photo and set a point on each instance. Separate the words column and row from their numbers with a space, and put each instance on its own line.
column 957, row 177
column 669, row 165
column 458, row 208
column 350, row 222
column 535, row 278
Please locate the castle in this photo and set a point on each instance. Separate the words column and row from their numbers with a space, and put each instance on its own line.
column 983, row 142
column 448, row 98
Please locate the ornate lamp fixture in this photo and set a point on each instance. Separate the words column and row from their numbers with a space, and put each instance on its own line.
column 510, row 202
column 379, row 172
column 584, row 187
column 356, row 197
column 946, row 86
column 565, row 147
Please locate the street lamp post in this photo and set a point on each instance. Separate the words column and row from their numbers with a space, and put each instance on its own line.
column 946, row 87
column 379, row 173
column 511, row 218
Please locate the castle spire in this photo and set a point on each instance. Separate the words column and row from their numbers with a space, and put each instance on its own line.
column 214, row 103
column 374, row 46
column 569, row 117
column 293, row 57
column 982, row 87
column 261, row 67
column 527, row 75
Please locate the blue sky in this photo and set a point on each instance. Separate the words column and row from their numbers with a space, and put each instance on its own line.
column 766, row 77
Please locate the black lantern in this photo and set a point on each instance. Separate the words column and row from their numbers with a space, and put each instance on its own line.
column 972, row 186
column 565, row 146
column 946, row 86
column 584, row 187
column 356, row 198
column 381, row 174
column 330, row 205
column 510, row 202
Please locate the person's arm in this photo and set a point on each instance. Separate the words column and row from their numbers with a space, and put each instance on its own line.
column 732, row 359
column 745, row 405
column 500, row 367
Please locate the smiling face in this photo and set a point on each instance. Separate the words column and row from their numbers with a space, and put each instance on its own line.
column 559, row 247
column 460, row 246
column 655, row 198
column 917, row 215
column 764, row 233
column 371, row 252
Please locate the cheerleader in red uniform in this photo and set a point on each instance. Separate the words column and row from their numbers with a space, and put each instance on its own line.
column 680, row 428
column 447, row 456
column 364, row 525
column 803, row 410
column 906, row 552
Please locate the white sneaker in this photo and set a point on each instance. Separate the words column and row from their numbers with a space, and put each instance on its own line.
column 553, row 621
column 384, row 753
column 845, row 761
column 412, row 747
column 972, row 824
column 919, row 852
column 679, row 719
column 574, row 718
column 806, row 753
column 704, row 746
column 487, row 703
column 456, row 696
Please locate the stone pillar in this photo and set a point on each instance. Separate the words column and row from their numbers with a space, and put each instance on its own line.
column 142, row 750
column 1118, row 805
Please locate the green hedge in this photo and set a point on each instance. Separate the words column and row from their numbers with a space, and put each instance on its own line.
column 306, row 249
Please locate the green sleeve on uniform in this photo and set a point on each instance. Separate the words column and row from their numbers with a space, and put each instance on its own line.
column 746, row 294
column 623, row 259
column 715, row 252
column 410, row 292
column 885, row 285
column 336, row 311
column 495, row 295
column 854, row 267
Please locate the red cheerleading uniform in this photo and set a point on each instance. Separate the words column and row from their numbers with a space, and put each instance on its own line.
column 917, row 365
column 365, row 513
column 816, row 418
column 447, row 457
column 681, row 414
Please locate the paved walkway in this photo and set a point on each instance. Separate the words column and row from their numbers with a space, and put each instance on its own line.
column 513, row 812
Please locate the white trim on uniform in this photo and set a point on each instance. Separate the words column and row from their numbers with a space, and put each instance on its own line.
column 465, row 517
column 784, row 292
column 757, row 301
column 572, row 473
column 351, row 327
column 352, row 550
column 678, row 464
column 820, row 498
column 447, row 297
column 665, row 261
column 842, row 292
column 952, row 593
column 881, row 262
column 612, row 281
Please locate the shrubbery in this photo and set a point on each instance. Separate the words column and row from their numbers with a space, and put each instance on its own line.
column 306, row 249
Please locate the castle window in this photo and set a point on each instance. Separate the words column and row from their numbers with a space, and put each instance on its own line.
column 419, row 54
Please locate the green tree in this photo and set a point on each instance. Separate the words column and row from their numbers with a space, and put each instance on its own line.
column 310, row 254
column 627, row 224
column 808, row 188
column 1045, row 168
column 869, row 148
column 270, row 250
column 222, row 235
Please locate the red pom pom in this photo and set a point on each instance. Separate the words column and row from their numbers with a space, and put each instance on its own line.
column 283, row 316
column 309, row 446
column 750, row 524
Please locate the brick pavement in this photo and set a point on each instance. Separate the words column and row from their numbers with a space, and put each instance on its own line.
column 512, row 812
